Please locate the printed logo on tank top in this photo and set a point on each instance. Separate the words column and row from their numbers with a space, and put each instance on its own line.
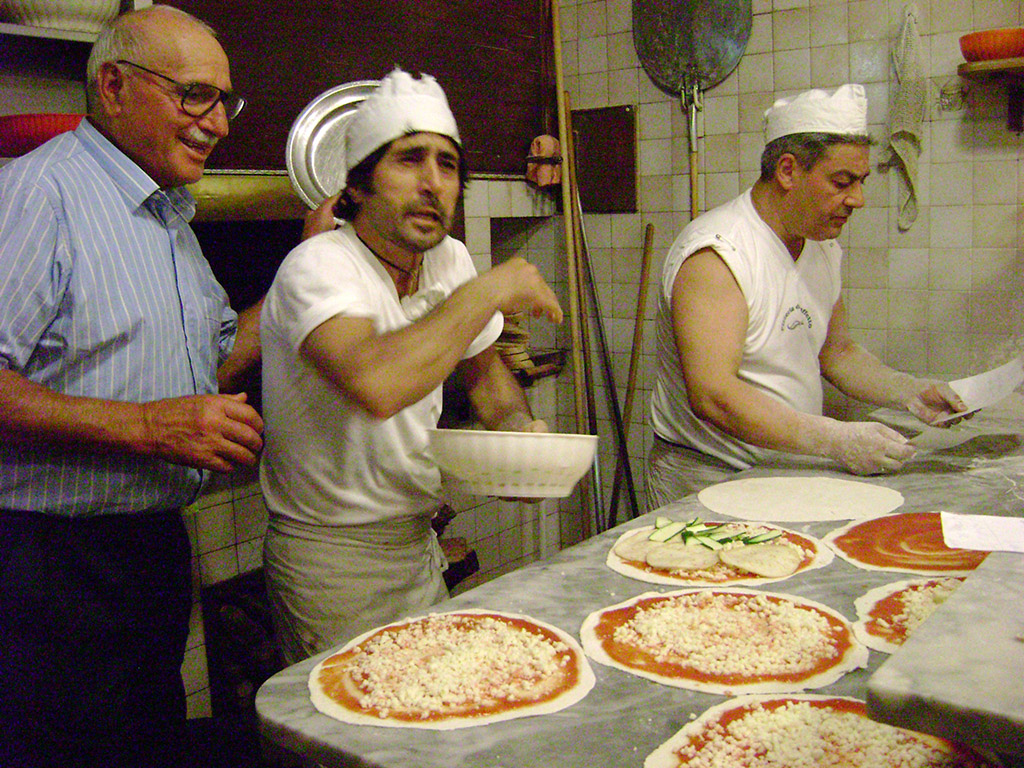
column 796, row 317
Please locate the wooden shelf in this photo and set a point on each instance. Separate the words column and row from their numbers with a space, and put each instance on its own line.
column 52, row 34
column 1009, row 71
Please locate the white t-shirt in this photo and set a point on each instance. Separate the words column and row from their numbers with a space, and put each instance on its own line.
column 325, row 459
column 789, row 306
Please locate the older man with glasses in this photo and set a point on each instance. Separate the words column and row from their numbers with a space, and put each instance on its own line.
column 112, row 328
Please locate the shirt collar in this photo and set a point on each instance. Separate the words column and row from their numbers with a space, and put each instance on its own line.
column 135, row 183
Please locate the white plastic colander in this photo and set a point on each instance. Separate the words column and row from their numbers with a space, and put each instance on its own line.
column 519, row 464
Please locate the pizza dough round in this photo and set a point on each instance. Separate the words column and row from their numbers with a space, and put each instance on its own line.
column 815, row 555
column 799, row 499
column 888, row 614
column 452, row 670
column 907, row 542
column 725, row 641
column 773, row 561
column 676, row 556
column 802, row 731
column 635, row 546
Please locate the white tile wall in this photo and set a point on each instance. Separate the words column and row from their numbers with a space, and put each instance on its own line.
column 942, row 298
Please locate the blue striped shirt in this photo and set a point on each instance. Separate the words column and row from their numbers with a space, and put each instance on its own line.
column 104, row 293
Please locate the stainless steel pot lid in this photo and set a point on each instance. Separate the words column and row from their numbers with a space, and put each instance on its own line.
column 315, row 152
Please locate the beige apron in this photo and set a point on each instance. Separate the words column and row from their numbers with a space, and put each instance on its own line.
column 327, row 585
column 674, row 472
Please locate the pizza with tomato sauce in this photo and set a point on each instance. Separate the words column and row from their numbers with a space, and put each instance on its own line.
column 452, row 670
column 725, row 641
column 720, row 554
column 909, row 542
column 887, row 615
column 805, row 731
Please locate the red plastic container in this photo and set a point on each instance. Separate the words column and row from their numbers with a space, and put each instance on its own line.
column 23, row 133
column 993, row 44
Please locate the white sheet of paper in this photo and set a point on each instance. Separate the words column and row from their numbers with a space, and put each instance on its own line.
column 983, row 532
column 987, row 388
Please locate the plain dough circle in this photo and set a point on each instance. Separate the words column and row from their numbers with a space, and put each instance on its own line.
column 799, row 499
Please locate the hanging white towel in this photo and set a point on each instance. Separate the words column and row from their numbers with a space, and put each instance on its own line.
column 909, row 111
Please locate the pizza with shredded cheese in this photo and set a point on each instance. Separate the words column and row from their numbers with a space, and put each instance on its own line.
column 636, row 556
column 887, row 615
column 908, row 542
column 806, row 731
column 452, row 670
column 725, row 641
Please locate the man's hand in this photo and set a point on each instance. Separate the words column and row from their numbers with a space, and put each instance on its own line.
column 865, row 447
column 215, row 432
column 321, row 218
column 933, row 400
column 519, row 287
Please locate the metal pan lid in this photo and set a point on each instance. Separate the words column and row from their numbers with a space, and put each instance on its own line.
column 315, row 152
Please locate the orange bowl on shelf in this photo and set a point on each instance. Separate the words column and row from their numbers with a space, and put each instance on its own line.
column 992, row 44
column 23, row 133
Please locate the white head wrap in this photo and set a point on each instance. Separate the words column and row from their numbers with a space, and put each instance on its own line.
column 401, row 104
column 843, row 112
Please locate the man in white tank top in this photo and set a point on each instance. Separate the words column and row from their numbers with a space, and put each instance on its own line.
column 750, row 317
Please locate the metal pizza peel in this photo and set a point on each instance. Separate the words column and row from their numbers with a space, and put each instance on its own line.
column 688, row 46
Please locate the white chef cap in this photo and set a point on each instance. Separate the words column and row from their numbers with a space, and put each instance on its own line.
column 400, row 105
column 843, row 112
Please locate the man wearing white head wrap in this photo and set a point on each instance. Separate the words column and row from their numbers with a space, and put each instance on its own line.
column 360, row 328
column 750, row 317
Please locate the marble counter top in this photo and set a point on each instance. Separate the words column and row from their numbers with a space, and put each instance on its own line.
column 961, row 675
column 625, row 717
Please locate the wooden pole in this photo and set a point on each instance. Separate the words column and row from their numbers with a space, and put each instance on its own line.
column 638, row 342
column 579, row 381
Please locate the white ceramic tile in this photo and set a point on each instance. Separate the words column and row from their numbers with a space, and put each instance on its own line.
column 655, row 157
column 995, row 183
column 199, row 704
column 475, row 201
column 791, row 29
column 908, row 310
column 250, row 555
column 592, row 20
column 997, row 226
column 830, row 66
column 593, row 91
column 760, row 34
column 216, row 491
column 867, row 268
column 654, row 121
column 721, row 114
column 868, row 308
column 868, row 20
column 621, row 51
column 217, row 566
column 215, row 527
column 949, row 269
column 830, row 24
column 951, row 227
column 619, row 15
column 951, row 184
column 196, row 633
column 250, row 517
column 624, row 87
column 593, row 54
column 947, row 310
column 792, row 70
column 755, row 73
column 869, row 61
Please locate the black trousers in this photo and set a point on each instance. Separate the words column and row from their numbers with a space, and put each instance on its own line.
column 93, row 624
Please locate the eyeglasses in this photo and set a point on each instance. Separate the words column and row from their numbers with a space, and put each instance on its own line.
column 198, row 99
